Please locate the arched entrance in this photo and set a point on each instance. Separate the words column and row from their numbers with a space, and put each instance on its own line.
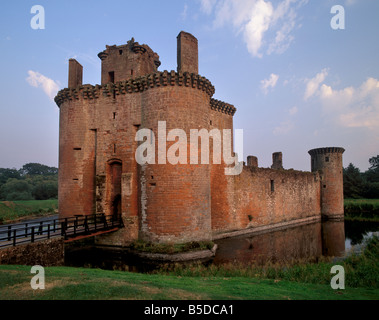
column 114, row 187
column 116, row 205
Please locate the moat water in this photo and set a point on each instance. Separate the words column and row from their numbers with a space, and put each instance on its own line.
column 311, row 241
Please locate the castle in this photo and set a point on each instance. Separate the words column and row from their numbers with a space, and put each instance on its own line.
column 98, row 171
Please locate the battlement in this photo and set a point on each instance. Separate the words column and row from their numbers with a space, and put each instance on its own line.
column 314, row 152
column 140, row 84
column 223, row 107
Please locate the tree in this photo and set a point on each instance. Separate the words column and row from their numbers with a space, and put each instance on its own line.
column 32, row 180
column 372, row 174
column 352, row 182
column 374, row 161
column 371, row 190
column 15, row 189
column 45, row 190
column 6, row 174
column 37, row 169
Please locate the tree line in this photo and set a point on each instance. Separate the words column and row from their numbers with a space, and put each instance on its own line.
column 40, row 182
column 357, row 184
column 33, row 181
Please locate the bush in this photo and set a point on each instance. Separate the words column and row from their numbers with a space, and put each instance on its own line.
column 15, row 189
column 45, row 190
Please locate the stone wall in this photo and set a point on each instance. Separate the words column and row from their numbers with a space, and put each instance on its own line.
column 264, row 197
column 44, row 253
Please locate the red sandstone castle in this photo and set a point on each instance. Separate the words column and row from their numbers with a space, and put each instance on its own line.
column 98, row 171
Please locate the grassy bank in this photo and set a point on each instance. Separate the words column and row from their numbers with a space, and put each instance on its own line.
column 361, row 209
column 274, row 282
column 81, row 284
column 150, row 247
column 12, row 211
column 361, row 270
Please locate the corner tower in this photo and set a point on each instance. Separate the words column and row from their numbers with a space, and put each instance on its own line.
column 120, row 63
column 328, row 161
column 187, row 53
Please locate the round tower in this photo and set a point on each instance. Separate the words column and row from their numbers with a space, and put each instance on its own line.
column 328, row 161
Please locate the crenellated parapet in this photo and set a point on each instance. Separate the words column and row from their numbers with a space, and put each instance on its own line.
column 223, row 107
column 314, row 152
column 140, row 84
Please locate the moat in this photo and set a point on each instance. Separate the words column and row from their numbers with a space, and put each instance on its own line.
column 306, row 242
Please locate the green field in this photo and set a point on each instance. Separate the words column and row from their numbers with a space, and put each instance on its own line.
column 273, row 282
column 12, row 211
column 361, row 209
column 66, row 283
column 269, row 282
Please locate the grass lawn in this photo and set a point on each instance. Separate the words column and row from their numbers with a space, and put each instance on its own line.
column 12, row 211
column 361, row 209
column 89, row 284
column 374, row 202
column 303, row 282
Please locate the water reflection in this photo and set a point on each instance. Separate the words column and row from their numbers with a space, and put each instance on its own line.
column 302, row 242
column 308, row 242
column 333, row 238
column 356, row 231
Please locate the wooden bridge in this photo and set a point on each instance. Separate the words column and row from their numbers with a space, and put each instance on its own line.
column 70, row 229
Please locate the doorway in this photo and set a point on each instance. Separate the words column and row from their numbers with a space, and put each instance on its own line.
column 114, row 186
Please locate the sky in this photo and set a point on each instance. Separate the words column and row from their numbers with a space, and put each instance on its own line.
column 301, row 74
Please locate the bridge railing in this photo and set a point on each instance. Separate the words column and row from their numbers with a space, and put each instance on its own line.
column 18, row 233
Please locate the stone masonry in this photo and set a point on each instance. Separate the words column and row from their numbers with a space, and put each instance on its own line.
column 98, row 171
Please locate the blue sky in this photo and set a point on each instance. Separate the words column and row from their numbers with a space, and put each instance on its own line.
column 297, row 83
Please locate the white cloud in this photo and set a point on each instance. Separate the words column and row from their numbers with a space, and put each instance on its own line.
column 312, row 85
column 49, row 86
column 353, row 107
column 350, row 2
column 255, row 18
column 350, row 107
column 259, row 22
column 207, row 6
column 270, row 82
column 293, row 111
column 284, row 127
column 287, row 125
column 184, row 12
column 285, row 16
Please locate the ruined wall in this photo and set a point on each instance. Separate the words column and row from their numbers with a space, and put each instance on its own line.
column 187, row 53
column 75, row 74
column 127, row 61
column 261, row 196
